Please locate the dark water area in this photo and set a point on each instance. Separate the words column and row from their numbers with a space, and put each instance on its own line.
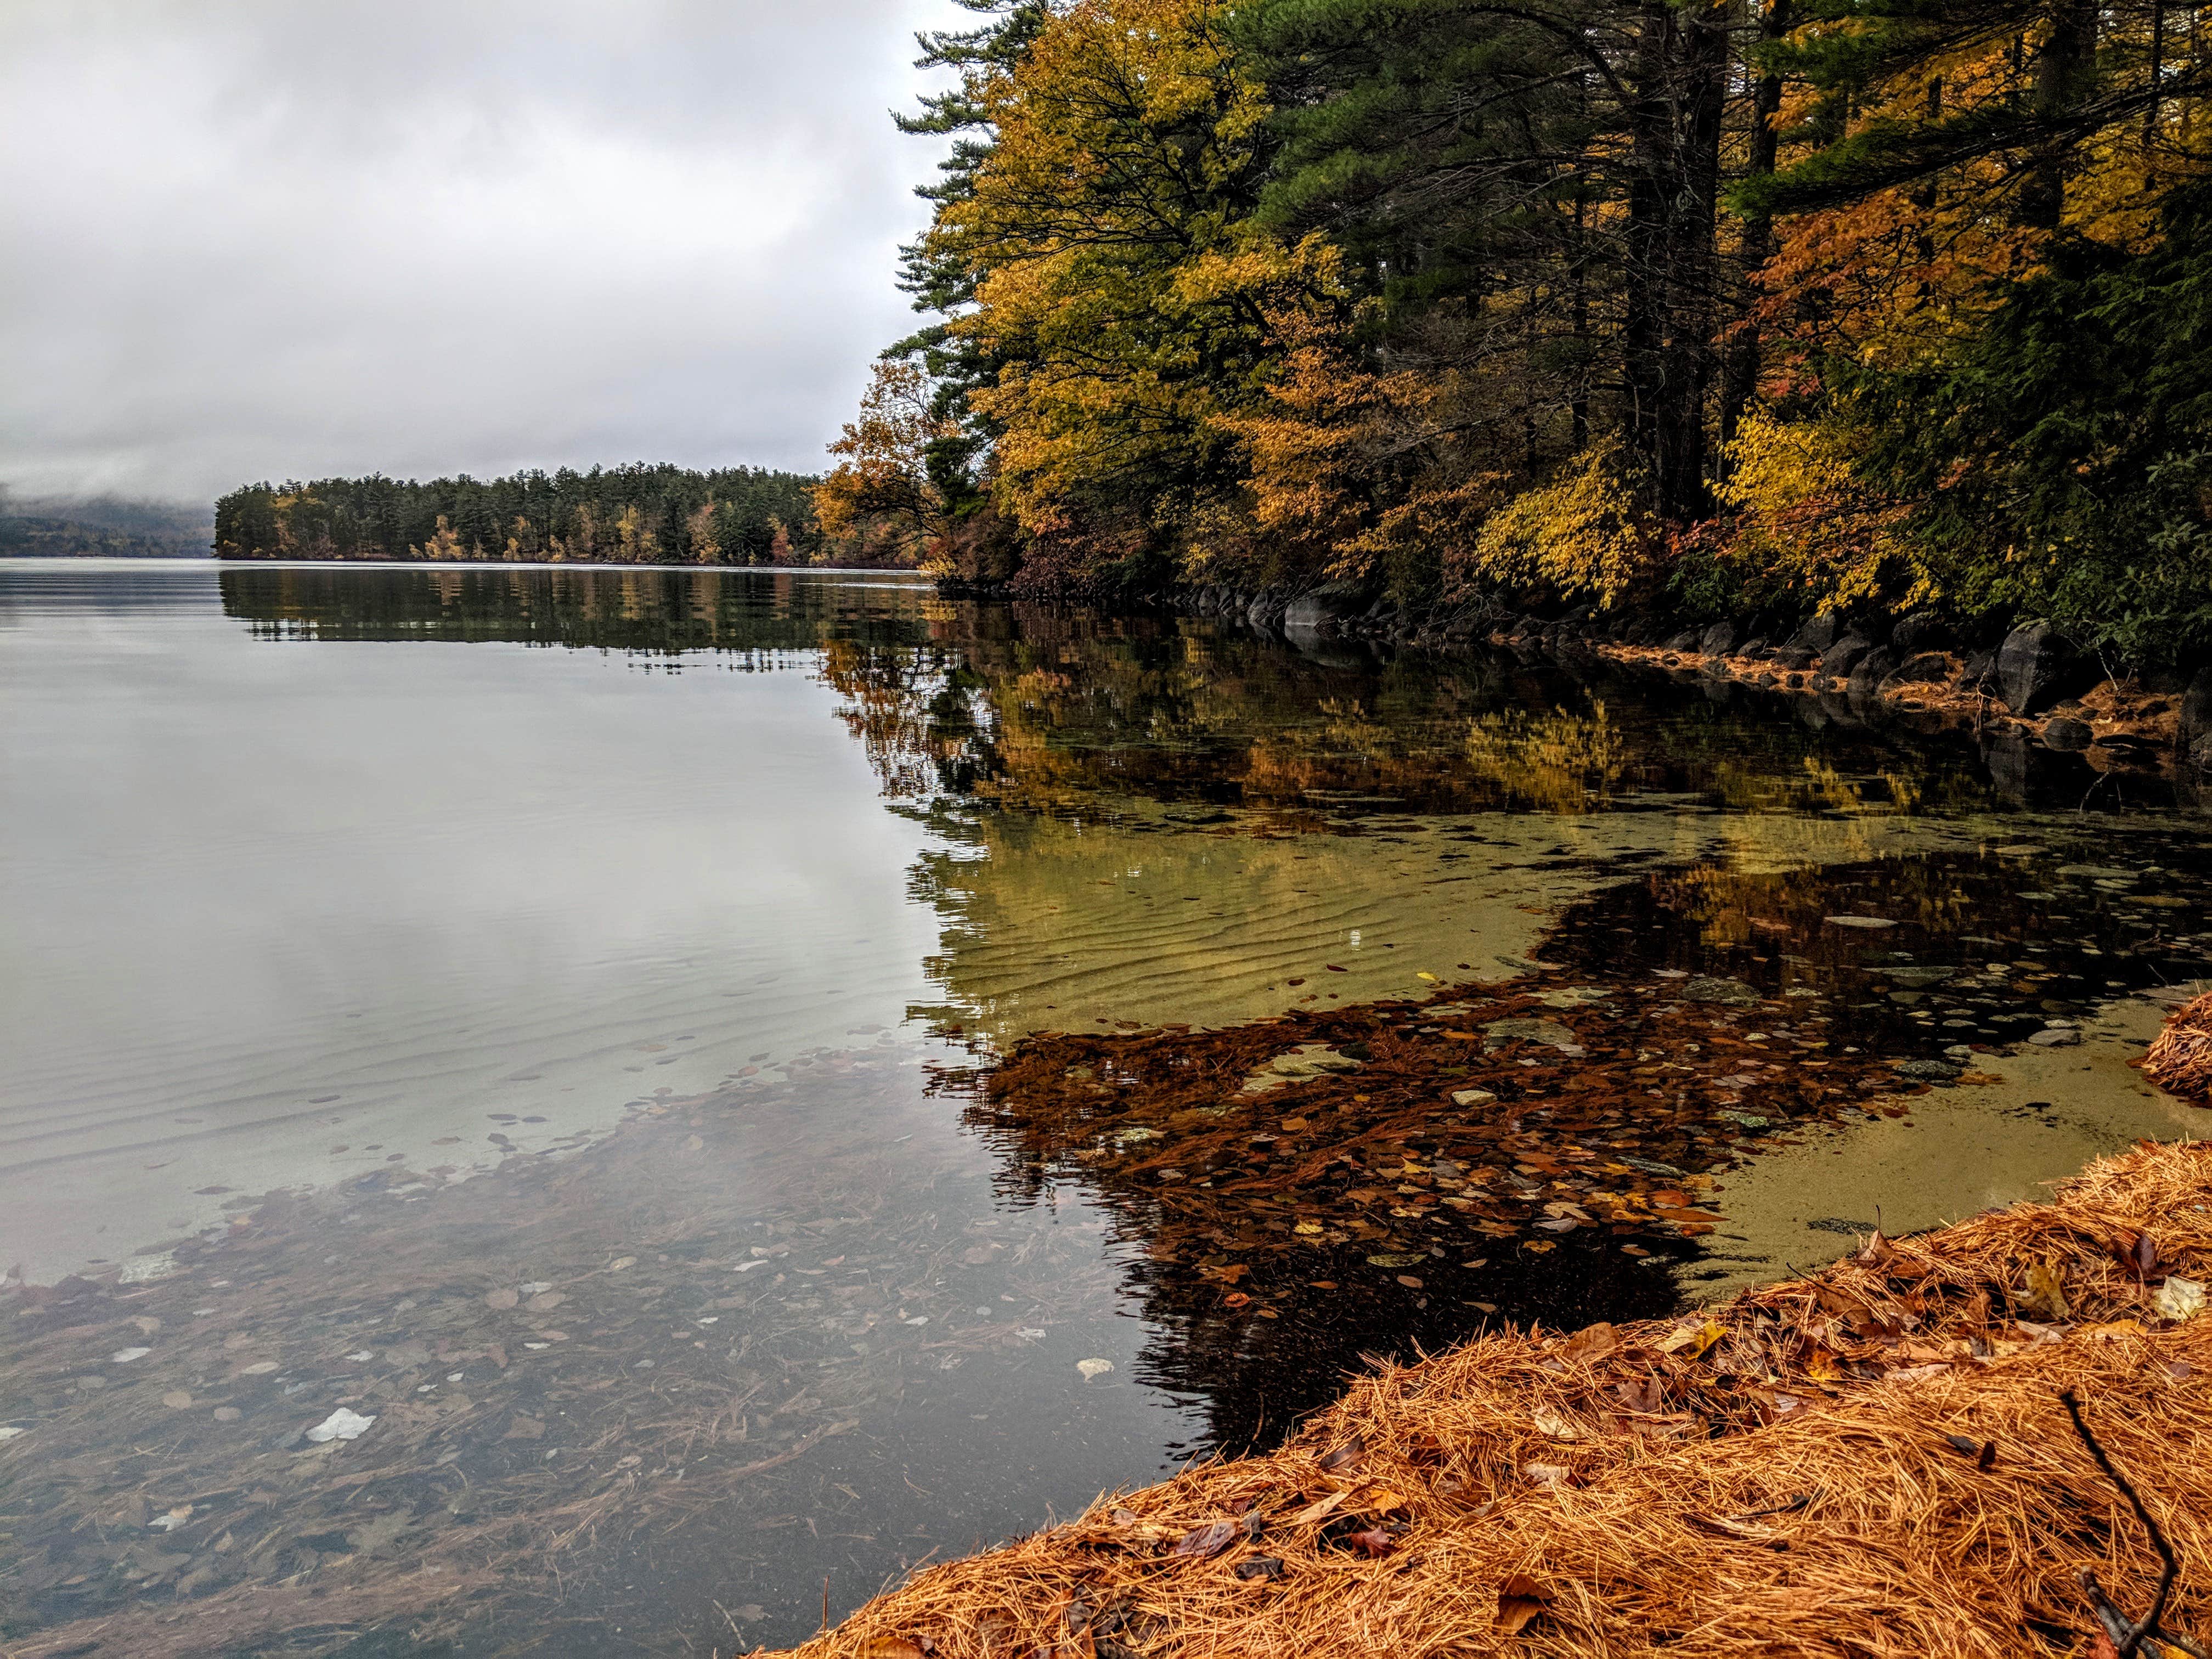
column 593, row 1053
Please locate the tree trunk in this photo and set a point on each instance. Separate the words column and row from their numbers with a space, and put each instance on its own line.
column 1680, row 91
column 1740, row 380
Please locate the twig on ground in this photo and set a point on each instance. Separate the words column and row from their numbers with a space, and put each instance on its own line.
column 2126, row 1637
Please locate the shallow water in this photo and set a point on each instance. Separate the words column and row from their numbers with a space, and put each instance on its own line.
column 381, row 942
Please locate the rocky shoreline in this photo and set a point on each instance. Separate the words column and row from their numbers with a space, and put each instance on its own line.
column 2029, row 685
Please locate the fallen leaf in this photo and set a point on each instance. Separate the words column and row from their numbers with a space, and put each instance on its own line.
column 1546, row 1475
column 1521, row 1598
column 1317, row 1511
column 1372, row 1542
column 341, row 1424
column 1346, row 1456
column 1092, row 1368
column 2179, row 1298
column 1876, row 1251
column 1550, row 1422
column 177, row 1401
column 1206, row 1541
column 1259, row 1566
column 2046, row 1292
column 1691, row 1340
column 1591, row 1342
column 506, row 1298
column 892, row 1647
column 1409, row 1281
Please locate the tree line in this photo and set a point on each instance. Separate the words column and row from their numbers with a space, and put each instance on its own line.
column 1761, row 305
column 636, row 515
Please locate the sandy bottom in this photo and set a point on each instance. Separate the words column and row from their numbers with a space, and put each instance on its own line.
column 2051, row 1111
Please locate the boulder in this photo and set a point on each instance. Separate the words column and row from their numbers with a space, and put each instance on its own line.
column 2068, row 734
column 1795, row 657
column 1817, row 636
column 1928, row 668
column 1718, row 639
column 2195, row 711
column 1924, row 630
column 2200, row 754
column 2038, row 667
column 1844, row 655
column 1327, row 608
column 1870, row 671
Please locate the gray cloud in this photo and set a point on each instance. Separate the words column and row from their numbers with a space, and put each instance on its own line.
column 283, row 238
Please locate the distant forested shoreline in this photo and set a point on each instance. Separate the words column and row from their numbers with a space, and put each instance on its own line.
column 636, row 515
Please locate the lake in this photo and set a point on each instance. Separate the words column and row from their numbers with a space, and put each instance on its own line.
column 592, row 1111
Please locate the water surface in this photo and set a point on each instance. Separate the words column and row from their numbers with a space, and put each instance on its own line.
column 541, row 1009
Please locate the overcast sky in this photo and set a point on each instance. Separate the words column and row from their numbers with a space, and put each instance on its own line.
column 254, row 239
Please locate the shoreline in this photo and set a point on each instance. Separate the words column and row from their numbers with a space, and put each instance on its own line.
column 1748, row 1479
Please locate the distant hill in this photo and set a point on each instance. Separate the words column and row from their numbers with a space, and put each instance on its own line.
column 105, row 527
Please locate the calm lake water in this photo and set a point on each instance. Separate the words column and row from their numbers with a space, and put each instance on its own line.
column 543, row 1011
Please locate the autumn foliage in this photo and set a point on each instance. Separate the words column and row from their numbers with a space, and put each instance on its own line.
column 1764, row 305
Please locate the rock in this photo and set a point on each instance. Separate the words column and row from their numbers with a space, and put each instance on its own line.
column 1841, row 657
column 1794, row 656
column 1918, row 978
column 1870, row 671
column 1924, row 630
column 1816, row 635
column 2196, row 721
column 1979, row 671
column 1718, row 639
column 2038, row 667
column 1471, row 1096
column 2055, row 1037
column 2067, row 734
column 1686, row 640
column 1326, row 607
column 2200, row 755
column 1928, row 667
column 1861, row 922
column 1548, row 1032
column 1928, row 1070
column 1733, row 991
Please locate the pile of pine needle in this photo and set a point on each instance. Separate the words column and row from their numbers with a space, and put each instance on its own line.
column 2180, row 1060
column 1879, row 1459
